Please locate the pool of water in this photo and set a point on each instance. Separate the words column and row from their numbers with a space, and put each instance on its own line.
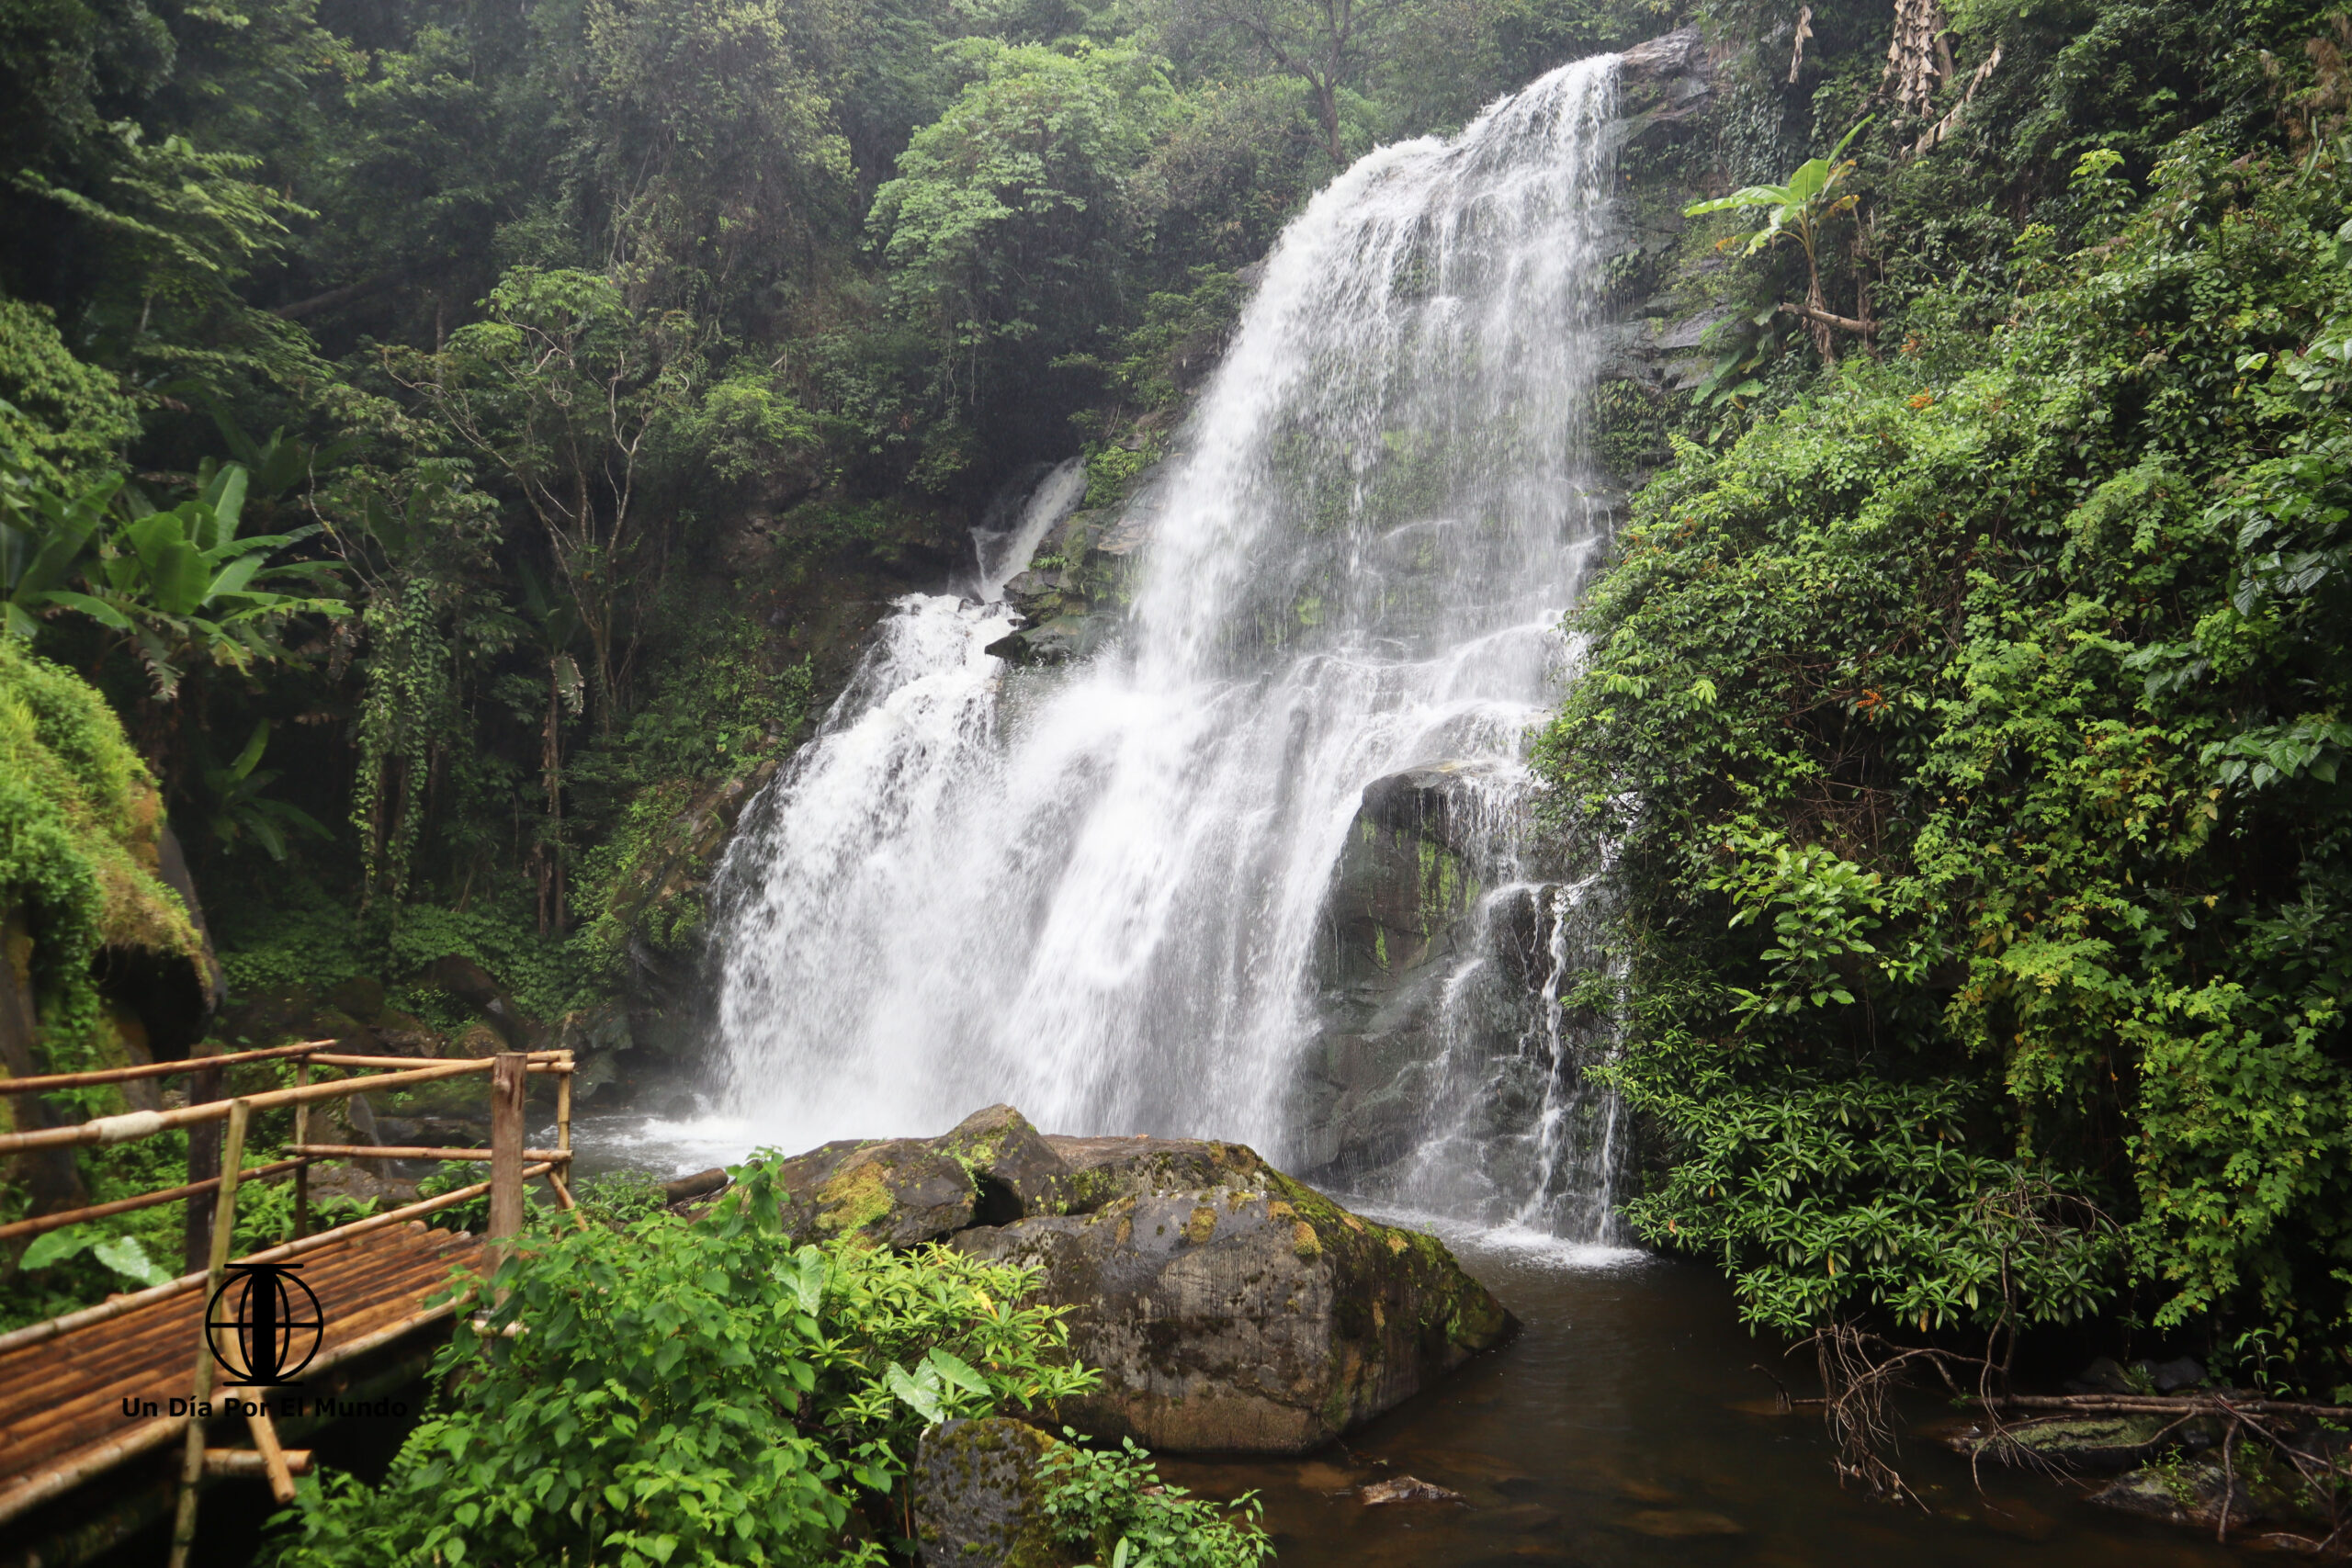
column 1628, row 1426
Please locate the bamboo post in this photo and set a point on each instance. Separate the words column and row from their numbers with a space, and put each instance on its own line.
column 559, row 1177
column 302, row 1173
column 506, row 1088
column 203, row 1165
column 563, row 1106
column 273, row 1457
column 245, row 1461
column 224, row 1225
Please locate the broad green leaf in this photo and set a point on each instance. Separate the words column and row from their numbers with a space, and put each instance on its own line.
column 55, row 1246
column 125, row 1257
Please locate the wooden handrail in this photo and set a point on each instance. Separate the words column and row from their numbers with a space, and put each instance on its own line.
column 46, row 1082
column 147, row 1123
column 541, row 1061
column 58, row 1222
column 385, row 1151
column 318, row 1051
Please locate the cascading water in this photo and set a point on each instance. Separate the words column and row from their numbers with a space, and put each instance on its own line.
column 1100, row 892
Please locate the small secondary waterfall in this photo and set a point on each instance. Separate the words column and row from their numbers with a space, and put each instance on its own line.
column 1100, row 892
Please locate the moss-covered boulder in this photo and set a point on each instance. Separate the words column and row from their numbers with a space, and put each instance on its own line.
column 1232, row 1309
column 1014, row 1171
column 2180, row 1492
column 883, row 1192
column 992, row 1169
column 977, row 1497
column 98, row 947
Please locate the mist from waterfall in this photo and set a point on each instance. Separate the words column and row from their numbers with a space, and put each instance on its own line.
column 1097, row 891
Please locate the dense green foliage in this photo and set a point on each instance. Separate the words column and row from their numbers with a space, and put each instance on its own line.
column 617, row 358
column 1967, row 723
column 702, row 1392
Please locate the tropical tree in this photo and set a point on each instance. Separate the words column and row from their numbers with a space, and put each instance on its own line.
column 1017, row 216
column 1327, row 45
column 179, row 585
column 1801, row 209
column 241, row 810
column 44, row 538
column 571, row 392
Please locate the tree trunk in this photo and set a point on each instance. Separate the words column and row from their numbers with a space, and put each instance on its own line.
column 1327, row 110
column 1816, row 309
column 551, row 780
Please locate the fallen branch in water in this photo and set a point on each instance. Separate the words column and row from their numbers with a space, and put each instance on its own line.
column 1861, row 1369
column 2199, row 1403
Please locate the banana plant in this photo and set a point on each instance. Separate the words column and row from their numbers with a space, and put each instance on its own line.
column 45, row 540
column 278, row 463
column 181, row 584
column 1800, row 210
column 241, row 810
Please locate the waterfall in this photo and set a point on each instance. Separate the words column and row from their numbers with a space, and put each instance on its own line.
column 1100, row 891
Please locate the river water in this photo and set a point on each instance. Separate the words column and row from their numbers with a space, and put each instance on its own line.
column 1626, row 1427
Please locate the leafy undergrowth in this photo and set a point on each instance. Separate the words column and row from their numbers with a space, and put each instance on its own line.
column 702, row 1392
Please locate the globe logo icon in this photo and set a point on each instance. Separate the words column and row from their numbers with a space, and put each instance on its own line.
column 263, row 1325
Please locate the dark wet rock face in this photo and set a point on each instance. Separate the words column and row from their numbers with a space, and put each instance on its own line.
column 1229, row 1308
column 1015, row 1172
column 978, row 1497
column 1409, row 910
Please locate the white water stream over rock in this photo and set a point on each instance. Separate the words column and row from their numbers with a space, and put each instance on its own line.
column 1105, row 892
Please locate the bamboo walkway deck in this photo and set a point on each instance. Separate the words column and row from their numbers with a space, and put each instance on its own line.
column 62, row 1399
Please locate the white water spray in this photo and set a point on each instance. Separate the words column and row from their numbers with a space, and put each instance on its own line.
column 1101, row 901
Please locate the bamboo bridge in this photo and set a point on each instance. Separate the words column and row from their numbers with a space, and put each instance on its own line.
column 93, row 1402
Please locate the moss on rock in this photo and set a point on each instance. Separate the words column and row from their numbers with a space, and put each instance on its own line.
column 81, row 846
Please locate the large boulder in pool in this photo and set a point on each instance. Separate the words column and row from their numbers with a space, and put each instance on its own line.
column 1231, row 1309
column 1228, row 1307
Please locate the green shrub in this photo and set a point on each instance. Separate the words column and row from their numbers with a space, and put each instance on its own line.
column 693, row 1392
column 1112, row 1500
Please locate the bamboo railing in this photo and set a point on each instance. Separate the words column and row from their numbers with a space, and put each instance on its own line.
column 511, row 1165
